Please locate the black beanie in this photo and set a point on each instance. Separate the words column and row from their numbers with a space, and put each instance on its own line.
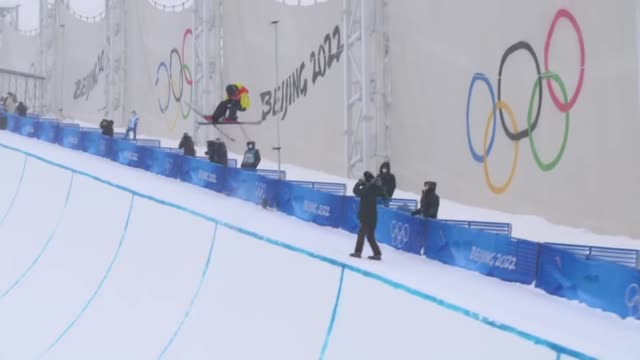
column 368, row 176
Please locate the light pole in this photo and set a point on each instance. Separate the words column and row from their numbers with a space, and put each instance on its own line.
column 278, row 147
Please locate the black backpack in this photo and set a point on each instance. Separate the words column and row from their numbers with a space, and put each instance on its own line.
column 217, row 152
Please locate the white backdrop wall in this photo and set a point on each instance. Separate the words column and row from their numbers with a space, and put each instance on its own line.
column 310, row 72
column 84, row 55
column 438, row 46
column 580, row 171
column 159, row 67
column 19, row 52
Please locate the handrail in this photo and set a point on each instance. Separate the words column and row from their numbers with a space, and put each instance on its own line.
column 22, row 74
column 89, row 19
column 172, row 8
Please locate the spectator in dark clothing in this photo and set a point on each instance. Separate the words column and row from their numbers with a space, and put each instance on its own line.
column 107, row 127
column 21, row 109
column 217, row 152
column 187, row 144
column 251, row 158
column 368, row 192
column 429, row 202
column 387, row 180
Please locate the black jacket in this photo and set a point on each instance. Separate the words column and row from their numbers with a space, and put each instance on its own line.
column 187, row 144
column 251, row 158
column 429, row 204
column 387, row 179
column 21, row 109
column 107, row 127
column 368, row 194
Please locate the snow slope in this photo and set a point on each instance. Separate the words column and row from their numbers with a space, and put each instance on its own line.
column 125, row 264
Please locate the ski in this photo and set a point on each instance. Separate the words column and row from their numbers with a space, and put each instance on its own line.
column 199, row 113
column 230, row 123
column 240, row 123
column 224, row 134
column 221, row 123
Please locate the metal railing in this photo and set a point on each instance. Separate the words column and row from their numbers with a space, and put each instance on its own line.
column 628, row 257
column 28, row 88
column 172, row 8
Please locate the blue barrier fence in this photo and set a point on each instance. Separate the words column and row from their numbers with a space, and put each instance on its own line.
column 332, row 188
column 148, row 142
column 406, row 205
column 487, row 253
column 483, row 247
column 492, row 227
column 598, row 283
column 230, row 162
column 628, row 257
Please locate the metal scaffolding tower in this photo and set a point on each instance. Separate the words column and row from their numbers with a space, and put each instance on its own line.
column 47, row 66
column 207, row 58
column 115, row 71
column 367, row 131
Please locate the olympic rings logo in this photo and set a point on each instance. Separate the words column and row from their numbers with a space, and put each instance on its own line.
column 400, row 233
column 185, row 77
column 632, row 299
column 500, row 106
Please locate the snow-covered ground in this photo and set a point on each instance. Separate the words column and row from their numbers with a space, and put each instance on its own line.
column 131, row 292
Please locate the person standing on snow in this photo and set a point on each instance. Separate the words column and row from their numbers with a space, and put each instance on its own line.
column 187, row 144
column 387, row 180
column 368, row 192
column 251, row 158
column 133, row 125
column 429, row 202
column 107, row 127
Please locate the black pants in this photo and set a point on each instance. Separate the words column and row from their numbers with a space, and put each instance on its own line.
column 232, row 106
column 369, row 231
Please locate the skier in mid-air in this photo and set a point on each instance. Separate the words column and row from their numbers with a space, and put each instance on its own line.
column 237, row 99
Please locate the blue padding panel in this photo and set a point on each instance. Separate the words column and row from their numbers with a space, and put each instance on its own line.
column 203, row 173
column 95, row 143
column 401, row 230
column 487, row 253
column 600, row 284
column 312, row 205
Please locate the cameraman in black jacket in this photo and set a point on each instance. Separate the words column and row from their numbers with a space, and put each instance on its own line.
column 368, row 191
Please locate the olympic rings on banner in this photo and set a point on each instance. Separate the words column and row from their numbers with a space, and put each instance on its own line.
column 185, row 68
column 520, row 45
column 498, row 105
column 166, row 69
column 548, row 166
column 563, row 13
column 481, row 77
column 176, row 97
column 187, row 32
column 176, row 87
